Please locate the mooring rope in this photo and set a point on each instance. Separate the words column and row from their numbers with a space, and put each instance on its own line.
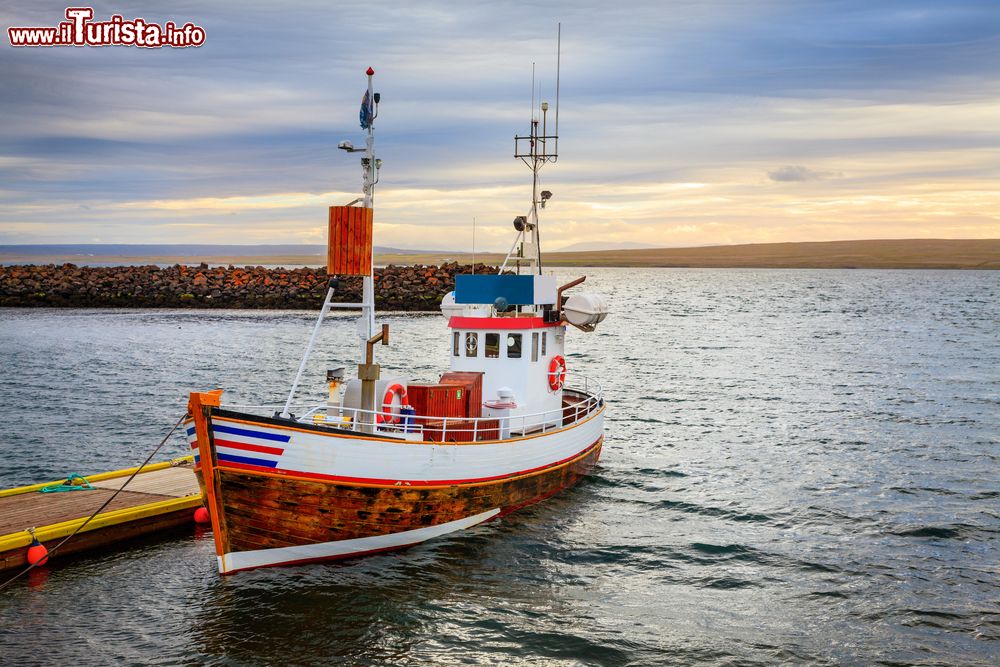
column 99, row 509
column 68, row 485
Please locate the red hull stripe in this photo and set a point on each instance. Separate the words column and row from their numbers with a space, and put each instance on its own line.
column 395, row 482
column 263, row 449
column 459, row 322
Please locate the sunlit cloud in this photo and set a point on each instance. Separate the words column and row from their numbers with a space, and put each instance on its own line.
column 680, row 124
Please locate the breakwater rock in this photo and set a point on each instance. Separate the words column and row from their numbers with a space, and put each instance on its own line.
column 179, row 286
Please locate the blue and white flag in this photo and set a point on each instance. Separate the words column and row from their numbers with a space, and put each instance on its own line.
column 366, row 111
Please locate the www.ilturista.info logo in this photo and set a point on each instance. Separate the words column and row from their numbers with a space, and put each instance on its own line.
column 80, row 30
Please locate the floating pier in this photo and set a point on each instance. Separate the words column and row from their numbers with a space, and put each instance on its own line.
column 161, row 496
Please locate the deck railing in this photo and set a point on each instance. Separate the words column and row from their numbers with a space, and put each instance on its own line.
column 461, row 429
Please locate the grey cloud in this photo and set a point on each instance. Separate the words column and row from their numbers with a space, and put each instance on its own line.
column 260, row 107
column 795, row 172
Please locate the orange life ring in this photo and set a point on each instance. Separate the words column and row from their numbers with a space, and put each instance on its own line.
column 387, row 416
column 557, row 373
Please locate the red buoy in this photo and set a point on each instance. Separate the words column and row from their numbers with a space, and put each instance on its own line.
column 37, row 553
column 201, row 515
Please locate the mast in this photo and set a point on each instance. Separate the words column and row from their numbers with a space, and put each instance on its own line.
column 535, row 149
column 370, row 166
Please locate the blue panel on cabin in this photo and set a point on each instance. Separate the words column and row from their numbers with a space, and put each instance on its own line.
column 518, row 290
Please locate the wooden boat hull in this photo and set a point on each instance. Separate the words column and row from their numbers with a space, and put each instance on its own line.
column 340, row 506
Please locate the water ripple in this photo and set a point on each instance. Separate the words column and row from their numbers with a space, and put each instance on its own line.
column 801, row 467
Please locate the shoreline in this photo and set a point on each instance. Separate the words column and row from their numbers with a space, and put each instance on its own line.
column 397, row 288
column 870, row 254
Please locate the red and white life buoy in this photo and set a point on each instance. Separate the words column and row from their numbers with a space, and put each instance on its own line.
column 387, row 416
column 557, row 373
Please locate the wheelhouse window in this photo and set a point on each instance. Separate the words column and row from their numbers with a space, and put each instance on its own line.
column 472, row 344
column 513, row 346
column 534, row 346
column 492, row 345
column 457, row 344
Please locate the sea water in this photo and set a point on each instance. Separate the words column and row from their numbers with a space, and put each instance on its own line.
column 800, row 467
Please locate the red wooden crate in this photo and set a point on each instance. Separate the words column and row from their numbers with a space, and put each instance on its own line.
column 461, row 430
column 473, row 383
column 437, row 400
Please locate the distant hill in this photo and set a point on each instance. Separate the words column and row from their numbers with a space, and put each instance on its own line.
column 176, row 250
column 867, row 254
column 587, row 246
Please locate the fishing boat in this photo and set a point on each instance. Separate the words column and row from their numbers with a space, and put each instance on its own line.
column 388, row 462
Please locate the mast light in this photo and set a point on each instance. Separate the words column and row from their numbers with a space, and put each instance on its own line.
column 349, row 147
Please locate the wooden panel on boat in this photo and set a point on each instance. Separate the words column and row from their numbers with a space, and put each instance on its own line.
column 266, row 512
column 437, row 400
column 573, row 408
column 461, row 430
column 473, row 383
column 349, row 247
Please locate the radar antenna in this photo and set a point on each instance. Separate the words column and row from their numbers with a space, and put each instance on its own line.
column 535, row 149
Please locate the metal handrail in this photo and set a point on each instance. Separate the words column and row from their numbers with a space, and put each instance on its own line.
column 543, row 421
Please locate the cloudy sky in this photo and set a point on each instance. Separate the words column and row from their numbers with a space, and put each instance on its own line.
column 682, row 123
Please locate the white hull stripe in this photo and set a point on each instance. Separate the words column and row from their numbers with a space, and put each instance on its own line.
column 253, row 434
column 369, row 460
column 244, row 560
column 239, row 455
column 248, row 446
column 192, row 439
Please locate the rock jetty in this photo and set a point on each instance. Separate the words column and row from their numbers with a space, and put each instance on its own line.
column 411, row 288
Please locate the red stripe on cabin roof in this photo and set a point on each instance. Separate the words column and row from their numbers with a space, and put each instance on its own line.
column 459, row 322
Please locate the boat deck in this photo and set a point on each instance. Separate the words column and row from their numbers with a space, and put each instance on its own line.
column 577, row 404
column 162, row 496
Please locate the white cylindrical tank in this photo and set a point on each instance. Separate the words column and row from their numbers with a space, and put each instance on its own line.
column 449, row 308
column 500, row 409
column 585, row 309
column 352, row 392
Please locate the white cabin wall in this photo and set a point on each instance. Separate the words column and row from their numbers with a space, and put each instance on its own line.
column 528, row 380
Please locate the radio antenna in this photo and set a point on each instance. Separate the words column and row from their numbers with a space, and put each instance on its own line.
column 531, row 117
column 535, row 149
column 558, row 63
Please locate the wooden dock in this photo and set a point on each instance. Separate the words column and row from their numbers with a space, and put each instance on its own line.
column 162, row 496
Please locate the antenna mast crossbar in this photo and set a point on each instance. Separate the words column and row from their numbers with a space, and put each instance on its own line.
column 535, row 150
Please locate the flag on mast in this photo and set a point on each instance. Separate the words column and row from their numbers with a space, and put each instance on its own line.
column 366, row 111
